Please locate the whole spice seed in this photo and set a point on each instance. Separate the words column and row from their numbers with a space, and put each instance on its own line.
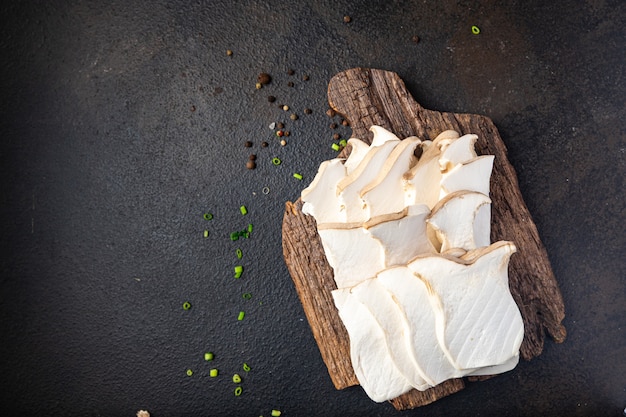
column 252, row 157
column 250, row 164
column 305, row 77
column 229, row 52
column 280, row 125
column 290, row 71
column 271, row 99
column 347, row 19
column 415, row 39
column 336, row 136
column 264, row 144
column 308, row 111
column 333, row 125
column 247, row 144
column 331, row 113
column 287, row 133
column 264, row 78
column 258, row 86
column 345, row 122
column 279, row 133
column 290, row 84
column 286, row 107
column 293, row 116
column 283, row 142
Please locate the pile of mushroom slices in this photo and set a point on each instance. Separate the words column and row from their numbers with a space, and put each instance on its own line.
column 422, row 292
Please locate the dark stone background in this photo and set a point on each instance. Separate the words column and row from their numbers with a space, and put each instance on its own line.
column 107, row 169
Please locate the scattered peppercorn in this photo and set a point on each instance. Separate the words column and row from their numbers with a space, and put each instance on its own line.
column 415, row 39
column 193, row 108
column 308, row 111
column 252, row 157
column 331, row 113
column 248, row 144
column 258, row 86
column 264, row 144
column 290, row 84
column 271, row 99
column 286, row 133
column 347, row 19
column 279, row 125
column 264, row 78
column 285, row 107
column 283, row 142
column 305, row 77
column 250, row 164
column 345, row 122
column 293, row 116
column 290, row 71
column 336, row 136
column 333, row 125
column 229, row 52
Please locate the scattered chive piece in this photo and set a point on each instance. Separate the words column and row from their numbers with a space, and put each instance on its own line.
column 343, row 142
column 241, row 315
column 206, row 233
column 208, row 356
column 236, row 379
column 186, row 305
column 238, row 391
column 250, row 228
column 234, row 236
column 297, row 176
column 247, row 296
column 243, row 210
column 276, row 413
column 246, row 367
column 189, row 372
column 276, row 161
column 208, row 216
column 335, row 147
column 213, row 373
column 238, row 271
column 475, row 30
column 239, row 253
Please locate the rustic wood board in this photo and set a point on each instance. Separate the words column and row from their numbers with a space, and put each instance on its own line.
column 367, row 97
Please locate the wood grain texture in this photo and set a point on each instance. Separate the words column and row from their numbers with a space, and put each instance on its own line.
column 367, row 97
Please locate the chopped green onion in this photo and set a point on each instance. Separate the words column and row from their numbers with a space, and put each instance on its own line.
column 238, row 391
column 475, row 30
column 206, row 233
column 250, row 228
column 208, row 356
column 343, row 142
column 241, row 315
column 236, row 379
column 276, row 161
column 186, row 305
column 243, row 210
column 238, row 271
column 213, row 373
column 276, row 413
column 247, row 296
column 335, row 147
column 208, row 216
column 297, row 176
column 239, row 253
column 246, row 367
column 189, row 372
column 234, row 236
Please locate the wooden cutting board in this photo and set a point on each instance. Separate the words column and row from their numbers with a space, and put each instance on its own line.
column 367, row 97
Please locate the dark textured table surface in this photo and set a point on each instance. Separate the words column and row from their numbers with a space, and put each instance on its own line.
column 123, row 123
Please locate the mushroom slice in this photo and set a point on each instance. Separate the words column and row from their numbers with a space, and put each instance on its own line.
column 496, row 369
column 402, row 238
column 457, row 151
column 372, row 364
column 453, row 219
column 358, row 150
column 388, row 315
column 352, row 252
column 473, row 175
column 349, row 188
column 385, row 193
column 320, row 199
column 418, row 316
column 478, row 323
